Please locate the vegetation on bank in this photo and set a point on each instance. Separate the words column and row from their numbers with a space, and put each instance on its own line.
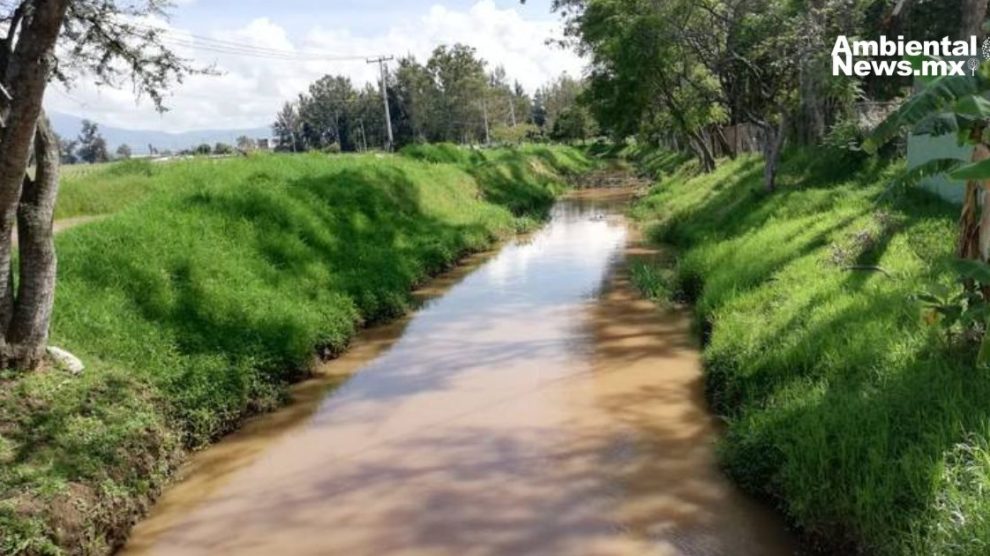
column 212, row 286
column 866, row 425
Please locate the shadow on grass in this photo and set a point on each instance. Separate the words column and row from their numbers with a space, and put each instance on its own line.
column 241, row 281
column 844, row 406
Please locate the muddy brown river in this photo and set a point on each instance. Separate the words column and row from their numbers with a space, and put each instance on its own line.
column 534, row 405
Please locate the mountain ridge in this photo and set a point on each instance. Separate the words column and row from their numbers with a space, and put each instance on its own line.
column 69, row 125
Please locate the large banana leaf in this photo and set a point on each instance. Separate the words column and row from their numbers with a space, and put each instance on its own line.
column 973, row 171
column 938, row 95
column 914, row 175
column 975, row 107
column 938, row 123
column 930, row 168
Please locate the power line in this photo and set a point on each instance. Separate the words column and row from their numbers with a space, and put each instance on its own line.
column 252, row 53
column 258, row 53
column 245, row 52
column 220, row 46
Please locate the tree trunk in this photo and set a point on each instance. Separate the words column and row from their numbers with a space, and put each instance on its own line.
column 728, row 147
column 30, row 66
column 773, row 143
column 27, row 335
column 974, row 220
column 812, row 123
column 974, row 13
column 702, row 151
column 810, row 126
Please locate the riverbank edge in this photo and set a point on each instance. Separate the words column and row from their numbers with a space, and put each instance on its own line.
column 656, row 279
column 869, row 443
column 81, row 518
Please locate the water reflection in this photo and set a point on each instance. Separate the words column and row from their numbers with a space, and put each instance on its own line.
column 537, row 407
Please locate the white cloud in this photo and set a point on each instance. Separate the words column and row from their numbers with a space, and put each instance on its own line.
column 250, row 90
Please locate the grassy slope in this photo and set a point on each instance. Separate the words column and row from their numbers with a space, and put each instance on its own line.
column 197, row 303
column 844, row 408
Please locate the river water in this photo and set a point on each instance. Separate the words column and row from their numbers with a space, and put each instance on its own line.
column 534, row 405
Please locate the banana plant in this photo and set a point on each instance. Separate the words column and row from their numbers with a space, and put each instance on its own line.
column 945, row 104
column 956, row 105
column 962, row 309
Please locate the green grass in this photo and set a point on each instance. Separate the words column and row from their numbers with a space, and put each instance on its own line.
column 106, row 188
column 443, row 153
column 845, row 410
column 655, row 281
column 210, row 289
column 91, row 190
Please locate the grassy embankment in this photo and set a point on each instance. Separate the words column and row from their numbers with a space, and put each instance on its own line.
column 211, row 287
column 862, row 423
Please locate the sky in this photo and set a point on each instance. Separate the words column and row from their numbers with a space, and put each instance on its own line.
column 250, row 89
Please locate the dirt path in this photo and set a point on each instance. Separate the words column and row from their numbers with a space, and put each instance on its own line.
column 66, row 223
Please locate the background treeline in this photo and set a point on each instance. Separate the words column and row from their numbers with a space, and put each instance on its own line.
column 680, row 73
column 453, row 97
column 90, row 147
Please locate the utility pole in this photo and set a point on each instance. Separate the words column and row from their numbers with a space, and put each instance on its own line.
column 512, row 108
column 381, row 61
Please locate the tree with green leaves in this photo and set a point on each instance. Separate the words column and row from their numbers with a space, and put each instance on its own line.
column 538, row 110
column 91, row 146
column 449, row 98
column 459, row 76
column 325, row 112
column 288, row 128
column 642, row 80
column 67, row 150
column 414, row 96
column 368, row 129
column 573, row 124
column 124, row 151
column 246, row 144
column 556, row 97
column 684, row 69
column 41, row 41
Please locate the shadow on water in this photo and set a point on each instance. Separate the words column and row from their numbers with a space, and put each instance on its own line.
column 534, row 405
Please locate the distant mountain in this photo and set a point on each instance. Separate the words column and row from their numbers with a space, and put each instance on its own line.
column 68, row 126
